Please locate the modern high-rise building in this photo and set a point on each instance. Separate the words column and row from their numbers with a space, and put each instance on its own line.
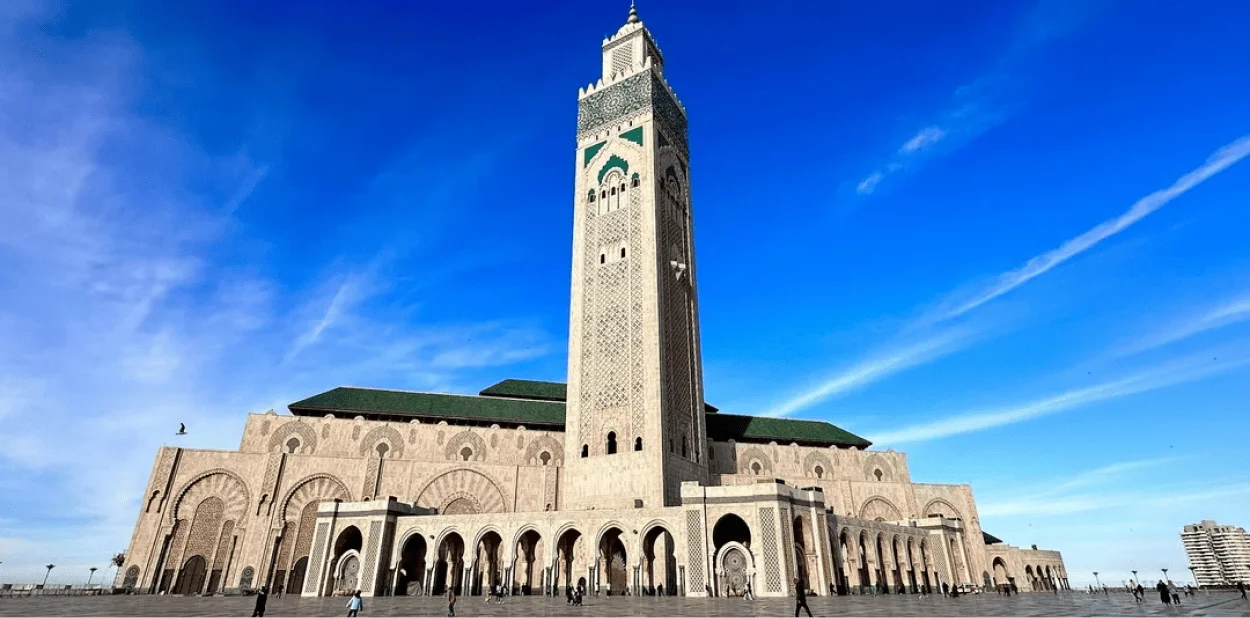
column 1219, row 555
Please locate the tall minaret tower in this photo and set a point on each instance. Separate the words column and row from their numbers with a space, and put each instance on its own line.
column 634, row 428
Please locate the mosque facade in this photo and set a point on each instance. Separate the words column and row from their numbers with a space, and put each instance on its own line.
column 621, row 481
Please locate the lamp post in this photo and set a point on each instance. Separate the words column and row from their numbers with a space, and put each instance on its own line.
column 1194, row 574
column 45, row 575
column 1096, row 581
column 92, row 569
column 1165, row 576
column 1135, row 580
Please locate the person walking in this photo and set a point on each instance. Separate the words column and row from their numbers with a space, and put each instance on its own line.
column 451, row 601
column 568, row 595
column 280, row 589
column 262, row 597
column 748, row 595
column 1241, row 587
column 800, row 599
column 355, row 604
column 1164, row 595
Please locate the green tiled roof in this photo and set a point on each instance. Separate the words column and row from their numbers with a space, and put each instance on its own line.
column 535, row 403
column 527, row 389
column 374, row 402
column 723, row 427
column 989, row 538
column 542, row 391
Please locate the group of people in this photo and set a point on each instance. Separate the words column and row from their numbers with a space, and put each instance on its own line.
column 573, row 596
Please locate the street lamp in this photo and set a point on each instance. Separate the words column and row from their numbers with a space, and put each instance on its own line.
column 1135, row 580
column 1096, row 580
column 1194, row 573
column 45, row 575
column 1165, row 576
column 90, row 576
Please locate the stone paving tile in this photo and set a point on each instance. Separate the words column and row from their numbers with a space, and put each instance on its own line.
column 975, row 605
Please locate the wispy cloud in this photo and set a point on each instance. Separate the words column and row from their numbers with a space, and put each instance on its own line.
column 1221, row 160
column 1186, row 370
column 875, row 368
column 1226, row 314
column 343, row 297
column 985, row 102
column 921, row 346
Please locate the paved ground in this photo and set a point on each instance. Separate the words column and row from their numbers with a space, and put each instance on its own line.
column 975, row 605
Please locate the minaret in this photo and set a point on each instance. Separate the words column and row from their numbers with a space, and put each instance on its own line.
column 634, row 428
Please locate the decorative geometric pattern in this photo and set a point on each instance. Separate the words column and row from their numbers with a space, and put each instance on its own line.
column 669, row 115
column 221, row 484
column 370, row 484
column 768, row 538
column 546, row 444
column 132, row 577
column 160, row 479
column 455, row 446
column 223, row 546
column 371, row 555
column 787, row 566
column 823, row 529
column 613, row 104
column 312, row 489
column 318, row 557
column 880, row 509
column 307, row 437
column 245, row 580
column 382, row 433
column 694, row 550
column 622, row 58
column 205, row 527
column 459, row 482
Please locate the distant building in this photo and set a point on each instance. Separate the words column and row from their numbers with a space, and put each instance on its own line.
column 1219, row 555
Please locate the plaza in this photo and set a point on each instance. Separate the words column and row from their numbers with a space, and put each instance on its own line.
column 1066, row 604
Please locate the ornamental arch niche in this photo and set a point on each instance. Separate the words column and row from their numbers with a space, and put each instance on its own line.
column 546, row 444
column 454, row 450
column 938, row 507
column 297, row 519
column 753, row 461
column 384, row 434
column 818, row 465
column 877, row 468
column 279, row 441
column 879, row 509
column 462, row 491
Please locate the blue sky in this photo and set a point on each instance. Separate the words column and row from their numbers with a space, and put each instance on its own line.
column 1008, row 238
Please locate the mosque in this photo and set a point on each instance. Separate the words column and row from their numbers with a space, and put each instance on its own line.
column 623, row 481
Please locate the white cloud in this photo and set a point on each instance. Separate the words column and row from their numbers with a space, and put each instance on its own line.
column 875, row 368
column 1221, row 160
column 869, row 184
column 927, row 137
column 1188, row 370
column 1227, row 314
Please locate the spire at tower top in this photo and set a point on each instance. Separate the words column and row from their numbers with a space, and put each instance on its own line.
column 633, row 14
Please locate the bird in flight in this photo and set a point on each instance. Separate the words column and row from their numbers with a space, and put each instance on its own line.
column 182, row 429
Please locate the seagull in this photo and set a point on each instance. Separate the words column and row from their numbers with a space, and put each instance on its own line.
column 182, row 429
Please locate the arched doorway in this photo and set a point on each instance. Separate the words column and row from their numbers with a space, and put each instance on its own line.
column 659, row 569
column 865, row 571
column 1001, row 578
column 729, row 529
column 801, row 549
column 298, row 571
column 450, row 567
column 191, row 576
column 844, row 562
column 1028, row 574
column 410, row 579
column 913, row 584
column 487, row 565
column 345, row 567
column 611, row 564
column 895, row 554
column 928, row 580
column 883, row 585
column 527, row 572
column 568, row 568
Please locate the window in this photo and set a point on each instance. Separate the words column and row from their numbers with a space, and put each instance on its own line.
column 466, row 453
column 683, row 446
column 711, row 452
column 820, row 472
column 603, row 257
column 755, row 468
column 877, row 473
column 591, row 199
column 382, row 449
column 637, row 444
column 613, row 190
column 611, row 442
column 622, row 252
column 622, row 187
column 603, row 194
column 634, row 182
column 585, row 451
column 292, row 445
column 545, row 457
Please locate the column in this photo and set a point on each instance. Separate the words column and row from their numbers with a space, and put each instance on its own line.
column 963, row 554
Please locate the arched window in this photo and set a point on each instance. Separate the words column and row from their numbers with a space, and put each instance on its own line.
column 382, row 449
column 637, row 444
column 711, row 452
column 820, row 472
column 684, row 449
column 878, row 473
column 622, row 252
column 634, row 182
column 466, row 453
column 613, row 191
column 585, row 451
column 292, row 445
column 755, row 467
column 604, row 194
column 545, row 457
column 611, row 442
column 591, row 197
column 622, row 187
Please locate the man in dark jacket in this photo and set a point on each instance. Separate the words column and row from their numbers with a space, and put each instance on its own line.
column 1165, row 595
column 800, row 599
column 262, row 597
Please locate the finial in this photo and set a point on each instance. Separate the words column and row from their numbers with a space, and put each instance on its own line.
column 633, row 14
